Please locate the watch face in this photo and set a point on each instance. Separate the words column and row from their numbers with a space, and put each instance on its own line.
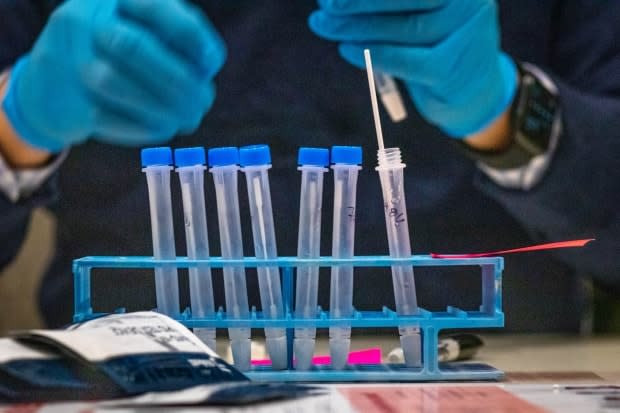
column 538, row 115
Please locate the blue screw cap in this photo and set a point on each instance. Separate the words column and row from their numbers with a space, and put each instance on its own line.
column 347, row 155
column 313, row 157
column 156, row 156
column 225, row 156
column 254, row 155
column 189, row 157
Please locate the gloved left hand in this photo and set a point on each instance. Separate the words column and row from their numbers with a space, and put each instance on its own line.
column 124, row 72
column 446, row 51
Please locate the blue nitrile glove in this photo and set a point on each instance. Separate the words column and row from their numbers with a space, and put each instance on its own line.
column 127, row 72
column 446, row 51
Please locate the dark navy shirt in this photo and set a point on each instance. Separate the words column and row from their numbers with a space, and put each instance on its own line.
column 284, row 86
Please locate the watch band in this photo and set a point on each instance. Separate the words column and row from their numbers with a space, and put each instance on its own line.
column 533, row 115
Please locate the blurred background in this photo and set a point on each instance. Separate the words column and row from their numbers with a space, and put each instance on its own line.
column 19, row 282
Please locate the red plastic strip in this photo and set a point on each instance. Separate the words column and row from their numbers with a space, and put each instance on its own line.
column 541, row 247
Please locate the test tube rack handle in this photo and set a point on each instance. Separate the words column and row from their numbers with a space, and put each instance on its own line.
column 430, row 323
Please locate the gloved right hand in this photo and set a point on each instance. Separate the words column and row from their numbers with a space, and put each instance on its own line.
column 447, row 52
column 128, row 72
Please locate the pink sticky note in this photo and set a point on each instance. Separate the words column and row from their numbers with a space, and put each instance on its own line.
column 367, row 356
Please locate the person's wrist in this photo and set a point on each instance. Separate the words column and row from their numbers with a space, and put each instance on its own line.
column 528, row 137
column 21, row 112
column 498, row 135
column 495, row 138
column 15, row 151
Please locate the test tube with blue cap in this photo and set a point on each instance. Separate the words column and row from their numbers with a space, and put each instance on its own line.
column 391, row 175
column 345, row 164
column 224, row 163
column 157, row 164
column 190, row 166
column 255, row 163
column 312, row 164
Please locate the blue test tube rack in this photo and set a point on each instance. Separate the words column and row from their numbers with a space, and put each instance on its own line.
column 430, row 323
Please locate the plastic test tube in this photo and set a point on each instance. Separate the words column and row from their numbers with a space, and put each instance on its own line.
column 224, row 168
column 391, row 174
column 392, row 183
column 190, row 163
column 345, row 163
column 313, row 162
column 255, row 163
column 157, row 164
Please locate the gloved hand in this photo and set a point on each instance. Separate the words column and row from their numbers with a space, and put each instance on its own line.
column 128, row 72
column 446, row 51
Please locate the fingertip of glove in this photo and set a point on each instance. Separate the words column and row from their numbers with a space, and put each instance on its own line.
column 316, row 21
column 353, row 54
column 214, row 57
column 210, row 93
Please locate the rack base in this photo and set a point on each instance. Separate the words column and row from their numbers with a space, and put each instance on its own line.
column 380, row 373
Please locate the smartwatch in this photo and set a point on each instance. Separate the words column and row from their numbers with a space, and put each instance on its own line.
column 534, row 116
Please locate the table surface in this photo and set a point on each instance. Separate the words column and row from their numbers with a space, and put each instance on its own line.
column 522, row 353
column 535, row 364
column 531, row 353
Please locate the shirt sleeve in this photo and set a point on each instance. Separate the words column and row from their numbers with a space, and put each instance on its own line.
column 580, row 193
column 20, row 184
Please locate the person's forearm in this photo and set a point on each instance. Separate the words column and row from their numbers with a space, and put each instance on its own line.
column 16, row 152
column 580, row 193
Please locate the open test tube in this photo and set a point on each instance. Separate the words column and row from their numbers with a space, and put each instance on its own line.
column 190, row 163
column 255, row 162
column 345, row 164
column 157, row 164
column 224, row 168
column 313, row 163
column 392, row 183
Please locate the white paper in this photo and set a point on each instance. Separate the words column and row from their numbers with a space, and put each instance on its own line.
column 125, row 335
column 11, row 350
